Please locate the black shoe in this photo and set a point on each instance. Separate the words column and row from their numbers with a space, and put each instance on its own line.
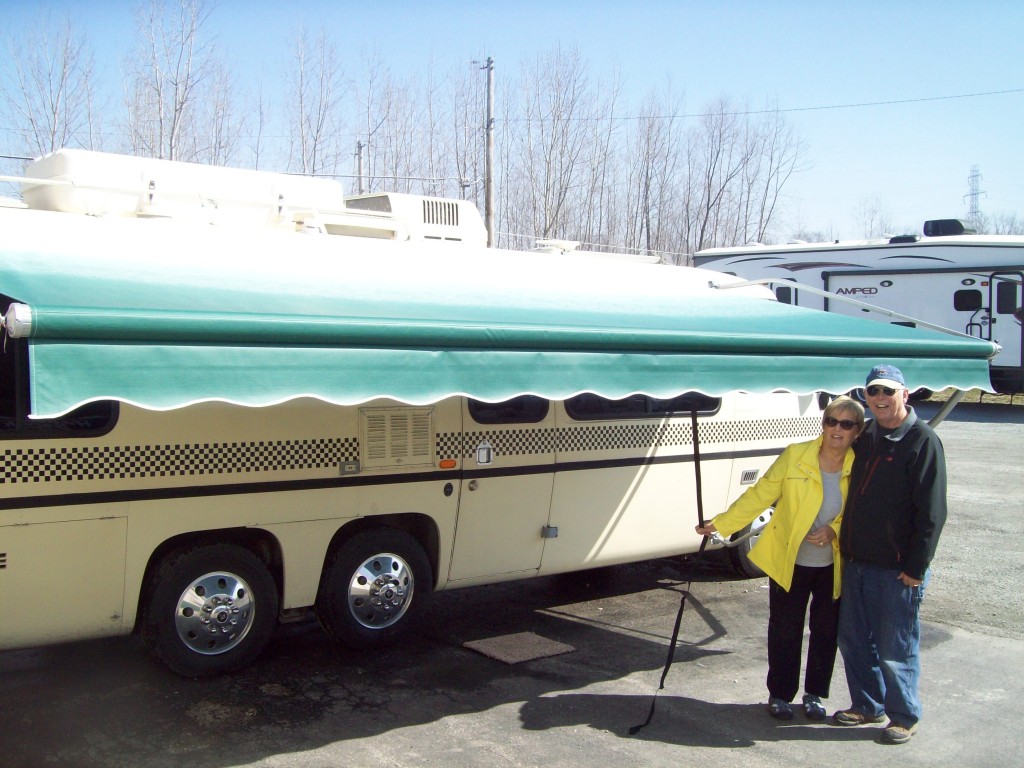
column 780, row 710
column 813, row 708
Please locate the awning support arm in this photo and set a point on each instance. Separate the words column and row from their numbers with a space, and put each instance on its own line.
column 836, row 297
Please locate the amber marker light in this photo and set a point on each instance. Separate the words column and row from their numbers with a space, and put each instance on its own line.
column 447, row 463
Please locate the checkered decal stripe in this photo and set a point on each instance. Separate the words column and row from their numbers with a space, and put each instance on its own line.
column 125, row 462
column 32, row 465
column 512, row 442
column 616, row 437
column 628, row 436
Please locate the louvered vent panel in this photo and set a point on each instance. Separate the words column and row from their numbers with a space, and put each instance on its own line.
column 376, row 439
column 748, row 476
column 397, row 437
column 420, row 436
column 441, row 212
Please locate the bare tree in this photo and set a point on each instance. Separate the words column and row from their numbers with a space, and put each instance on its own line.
column 547, row 147
column 773, row 159
column 317, row 87
column 722, row 154
column 256, row 127
column 653, row 182
column 399, row 152
column 574, row 162
column 873, row 218
column 171, row 74
column 466, row 145
column 1000, row 224
column 600, row 222
column 48, row 100
column 216, row 127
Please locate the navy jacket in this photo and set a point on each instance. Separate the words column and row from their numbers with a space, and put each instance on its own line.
column 896, row 505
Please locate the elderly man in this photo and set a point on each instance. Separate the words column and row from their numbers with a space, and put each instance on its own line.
column 891, row 524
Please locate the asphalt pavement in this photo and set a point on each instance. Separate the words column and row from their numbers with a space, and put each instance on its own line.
column 432, row 701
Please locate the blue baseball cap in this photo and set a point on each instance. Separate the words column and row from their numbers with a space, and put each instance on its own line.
column 887, row 376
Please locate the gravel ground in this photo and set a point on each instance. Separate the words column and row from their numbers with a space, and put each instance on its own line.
column 981, row 552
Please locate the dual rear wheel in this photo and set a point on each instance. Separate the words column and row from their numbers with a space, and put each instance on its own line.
column 212, row 608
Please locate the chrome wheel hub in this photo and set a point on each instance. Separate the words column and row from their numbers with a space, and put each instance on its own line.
column 214, row 613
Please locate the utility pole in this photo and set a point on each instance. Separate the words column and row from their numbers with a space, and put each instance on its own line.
column 359, row 166
column 489, row 167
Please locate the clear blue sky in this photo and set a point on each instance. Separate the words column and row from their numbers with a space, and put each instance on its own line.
column 913, row 155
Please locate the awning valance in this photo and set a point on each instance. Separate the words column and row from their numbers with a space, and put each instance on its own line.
column 164, row 314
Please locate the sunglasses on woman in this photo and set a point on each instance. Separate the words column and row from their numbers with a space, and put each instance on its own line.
column 873, row 391
column 846, row 424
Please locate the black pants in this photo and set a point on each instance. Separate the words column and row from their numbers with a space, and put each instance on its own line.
column 787, row 611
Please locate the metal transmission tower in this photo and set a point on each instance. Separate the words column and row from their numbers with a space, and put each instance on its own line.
column 975, row 193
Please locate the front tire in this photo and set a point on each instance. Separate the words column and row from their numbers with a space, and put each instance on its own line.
column 740, row 554
column 374, row 588
column 211, row 609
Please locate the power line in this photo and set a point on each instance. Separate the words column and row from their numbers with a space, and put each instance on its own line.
column 740, row 113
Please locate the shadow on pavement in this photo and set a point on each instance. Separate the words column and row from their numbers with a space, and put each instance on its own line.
column 107, row 703
column 680, row 720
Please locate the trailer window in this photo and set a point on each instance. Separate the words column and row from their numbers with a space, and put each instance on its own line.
column 1007, row 301
column 968, row 300
column 525, row 409
column 588, row 407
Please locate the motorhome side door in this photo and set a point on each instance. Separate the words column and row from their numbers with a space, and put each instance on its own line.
column 508, row 465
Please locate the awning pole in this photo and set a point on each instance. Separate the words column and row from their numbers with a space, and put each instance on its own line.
column 950, row 404
column 686, row 592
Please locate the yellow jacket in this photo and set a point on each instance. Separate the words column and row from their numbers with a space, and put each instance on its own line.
column 793, row 485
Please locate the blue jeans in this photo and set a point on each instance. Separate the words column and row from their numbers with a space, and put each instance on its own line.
column 880, row 637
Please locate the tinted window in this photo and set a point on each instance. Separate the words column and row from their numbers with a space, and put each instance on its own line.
column 525, row 409
column 1006, row 297
column 590, row 406
column 967, row 300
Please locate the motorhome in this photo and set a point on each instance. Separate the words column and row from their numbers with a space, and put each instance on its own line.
column 948, row 277
column 230, row 399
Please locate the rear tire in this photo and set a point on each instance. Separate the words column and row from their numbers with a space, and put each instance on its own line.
column 374, row 588
column 210, row 609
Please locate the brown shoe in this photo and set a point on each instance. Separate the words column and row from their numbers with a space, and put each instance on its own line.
column 854, row 716
column 894, row 733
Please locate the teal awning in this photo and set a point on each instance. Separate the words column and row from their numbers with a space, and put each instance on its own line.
column 164, row 314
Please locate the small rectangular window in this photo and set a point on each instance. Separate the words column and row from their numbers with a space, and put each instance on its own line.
column 525, row 409
column 588, row 406
column 967, row 300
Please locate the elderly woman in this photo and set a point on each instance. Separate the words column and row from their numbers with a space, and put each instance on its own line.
column 798, row 550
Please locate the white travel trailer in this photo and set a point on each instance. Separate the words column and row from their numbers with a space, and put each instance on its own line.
column 949, row 278
column 230, row 399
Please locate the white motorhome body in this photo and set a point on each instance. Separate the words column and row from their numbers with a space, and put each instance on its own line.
column 965, row 282
column 215, row 415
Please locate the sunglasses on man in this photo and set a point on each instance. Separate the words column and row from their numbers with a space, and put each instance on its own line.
column 874, row 390
column 846, row 424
